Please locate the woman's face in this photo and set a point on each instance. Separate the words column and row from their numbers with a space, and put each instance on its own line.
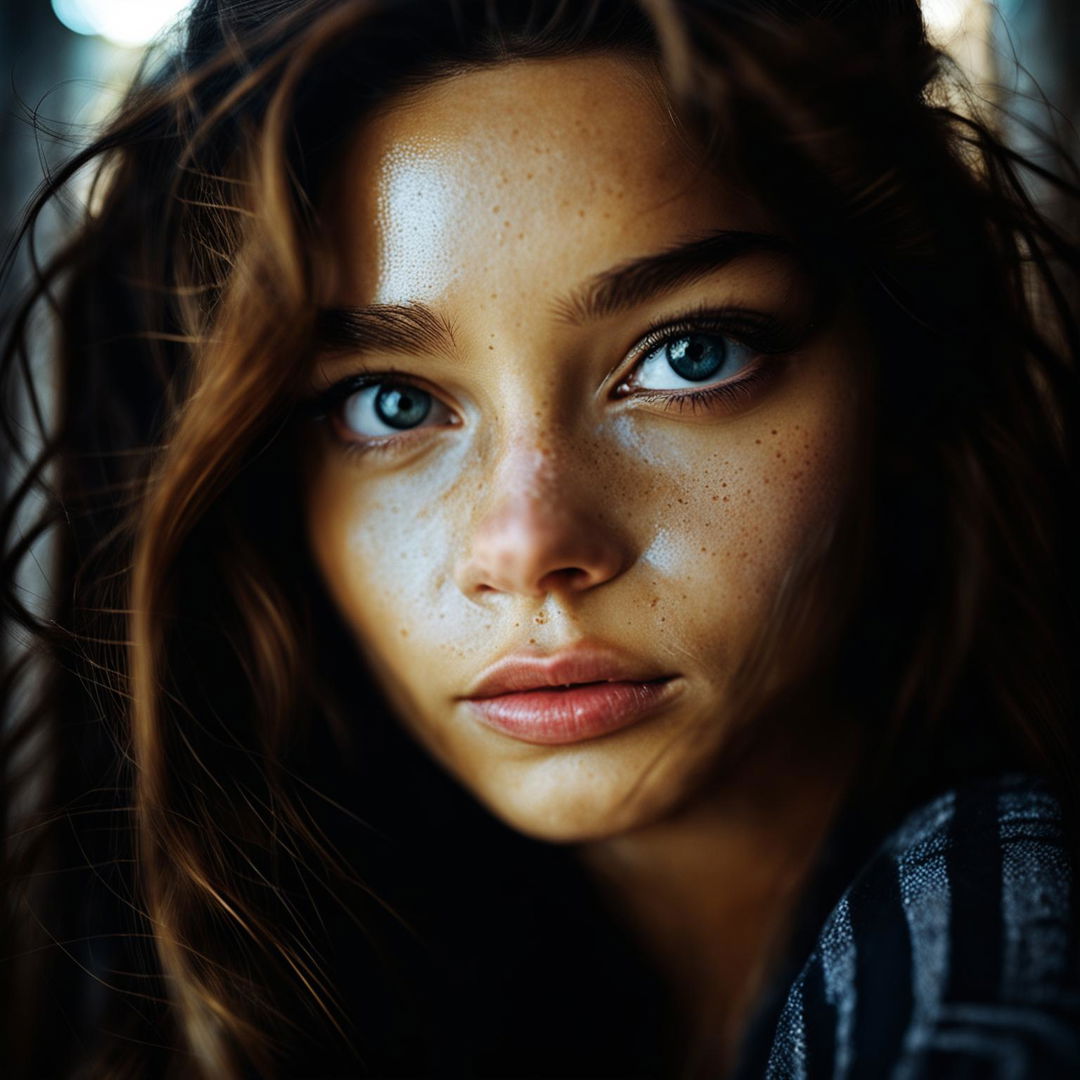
column 575, row 412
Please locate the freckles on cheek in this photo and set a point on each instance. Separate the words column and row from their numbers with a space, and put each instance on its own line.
column 791, row 483
column 733, row 514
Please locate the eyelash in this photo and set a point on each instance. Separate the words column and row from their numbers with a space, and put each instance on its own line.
column 764, row 334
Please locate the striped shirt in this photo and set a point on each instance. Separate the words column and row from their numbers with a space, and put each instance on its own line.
column 952, row 953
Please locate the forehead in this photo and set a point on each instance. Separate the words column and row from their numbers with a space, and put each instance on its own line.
column 531, row 174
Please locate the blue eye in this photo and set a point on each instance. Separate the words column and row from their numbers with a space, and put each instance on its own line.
column 387, row 408
column 692, row 358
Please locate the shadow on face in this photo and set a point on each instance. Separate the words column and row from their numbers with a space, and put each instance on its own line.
column 576, row 400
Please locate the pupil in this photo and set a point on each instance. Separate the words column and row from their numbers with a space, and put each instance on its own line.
column 402, row 407
column 696, row 356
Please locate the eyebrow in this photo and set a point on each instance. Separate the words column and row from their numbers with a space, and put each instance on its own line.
column 402, row 328
column 631, row 283
column 416, row 327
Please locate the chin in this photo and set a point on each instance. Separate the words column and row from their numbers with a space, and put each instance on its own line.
column 573, row 802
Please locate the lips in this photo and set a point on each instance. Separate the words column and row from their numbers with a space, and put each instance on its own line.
column 579, row 664
column 579, row 693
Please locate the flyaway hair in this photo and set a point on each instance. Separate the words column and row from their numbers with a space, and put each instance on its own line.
column 182, row 710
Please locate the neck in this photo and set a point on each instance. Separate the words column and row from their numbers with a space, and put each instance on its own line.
column 710, row 890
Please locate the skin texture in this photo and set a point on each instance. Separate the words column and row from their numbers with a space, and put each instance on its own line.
column 550, row 513
column 544, row 512
column 537, row 508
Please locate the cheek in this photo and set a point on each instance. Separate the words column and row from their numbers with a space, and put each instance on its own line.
column 736, row 507
column 718, row 511
column 788, row 483
column 385, row 553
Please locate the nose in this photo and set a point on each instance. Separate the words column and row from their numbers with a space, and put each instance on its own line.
column 540, row 531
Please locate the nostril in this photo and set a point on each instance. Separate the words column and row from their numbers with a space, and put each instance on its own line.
column 571, row 577
column 532, row 546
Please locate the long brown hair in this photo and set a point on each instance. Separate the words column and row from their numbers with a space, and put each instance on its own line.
column 176, row 699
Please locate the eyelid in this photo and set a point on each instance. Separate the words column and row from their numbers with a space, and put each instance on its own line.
column 756, row 329
column 325, row 408
column 324, row 401
column 759, row 331
column 764, row 333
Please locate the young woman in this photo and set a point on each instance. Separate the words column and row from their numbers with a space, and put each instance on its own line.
column 554, row 525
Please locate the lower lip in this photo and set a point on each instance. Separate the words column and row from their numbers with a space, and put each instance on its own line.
column 557, row 716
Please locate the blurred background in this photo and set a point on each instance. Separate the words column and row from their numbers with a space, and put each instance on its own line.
column 64, row 62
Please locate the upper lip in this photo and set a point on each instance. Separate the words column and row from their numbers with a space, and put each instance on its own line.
column 581, row 663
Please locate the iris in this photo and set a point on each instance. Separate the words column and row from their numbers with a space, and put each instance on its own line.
column 696, row 356
column 402, row 406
